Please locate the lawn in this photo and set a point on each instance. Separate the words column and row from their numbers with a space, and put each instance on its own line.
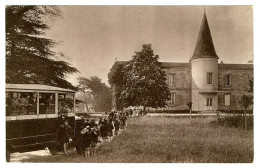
column 171, row 140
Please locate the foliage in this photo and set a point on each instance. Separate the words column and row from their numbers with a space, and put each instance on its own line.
column 115, row 79
column 100, row 91
column 141, row 81
column 29, row 58
column 236, row 121
column 247, row 100
column 251, row 85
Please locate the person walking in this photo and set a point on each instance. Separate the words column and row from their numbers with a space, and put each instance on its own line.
column 116, row 124
column 64, row 135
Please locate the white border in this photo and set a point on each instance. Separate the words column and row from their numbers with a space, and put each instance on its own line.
column 134, row 2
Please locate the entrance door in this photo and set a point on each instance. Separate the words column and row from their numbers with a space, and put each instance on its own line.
column 209, row 103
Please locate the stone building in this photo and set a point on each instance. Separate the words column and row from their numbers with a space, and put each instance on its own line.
column 209, row 85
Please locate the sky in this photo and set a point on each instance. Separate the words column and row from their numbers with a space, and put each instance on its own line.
column 93, row 37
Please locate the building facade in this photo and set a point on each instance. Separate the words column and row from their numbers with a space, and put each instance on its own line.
column 209, row 85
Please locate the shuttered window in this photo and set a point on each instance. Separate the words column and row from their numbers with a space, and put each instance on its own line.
column 227, row 99
column 209, row 77
column 227, row 80
column 171, row 79
column 172, row 100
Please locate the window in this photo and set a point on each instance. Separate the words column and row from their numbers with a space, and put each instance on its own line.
column 209, row 77
column 47, row 103
column 21, row 103
column 227, row 81
column 209, row 101
column 66, row 102
column 171, row 79
column 227, row 100
column 172, row 100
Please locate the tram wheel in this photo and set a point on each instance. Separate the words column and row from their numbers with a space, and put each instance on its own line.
column 52, row 150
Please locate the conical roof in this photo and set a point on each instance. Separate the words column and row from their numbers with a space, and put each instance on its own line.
column 204, row 46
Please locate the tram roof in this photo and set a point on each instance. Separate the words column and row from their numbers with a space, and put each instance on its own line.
column 36, row 87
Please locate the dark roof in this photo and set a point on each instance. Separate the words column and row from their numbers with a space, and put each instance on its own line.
column 220, row 66
column 204, row 46
column 175, row 64
column 164, row 64
column 235, row 66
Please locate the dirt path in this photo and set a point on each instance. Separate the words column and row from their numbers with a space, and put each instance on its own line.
column 20, row 157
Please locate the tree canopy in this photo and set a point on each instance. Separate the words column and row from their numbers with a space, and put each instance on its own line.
column 247, row 100
column 116, row 79
column 29, row 58
column 100, row 91
column 141, row 80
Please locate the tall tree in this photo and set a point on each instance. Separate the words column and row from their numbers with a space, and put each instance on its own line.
column 100, row 91
column 29, row 58
column 115, row 79
column 145, row 81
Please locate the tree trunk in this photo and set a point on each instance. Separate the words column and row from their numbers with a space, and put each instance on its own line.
column 86, row 101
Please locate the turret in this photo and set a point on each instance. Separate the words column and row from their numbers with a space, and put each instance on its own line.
column 204, row 71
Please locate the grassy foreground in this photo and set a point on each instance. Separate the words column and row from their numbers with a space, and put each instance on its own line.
column 169, row 139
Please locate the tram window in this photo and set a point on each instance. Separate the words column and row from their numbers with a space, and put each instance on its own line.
column 21, row 103
column 46, row 103
column 66, row 102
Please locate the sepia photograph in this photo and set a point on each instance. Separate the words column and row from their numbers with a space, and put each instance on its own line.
column 129, row 84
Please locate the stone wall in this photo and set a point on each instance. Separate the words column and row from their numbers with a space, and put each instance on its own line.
column 182, row 85
column 240, row 75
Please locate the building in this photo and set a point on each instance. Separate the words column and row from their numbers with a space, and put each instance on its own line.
column 209, row 85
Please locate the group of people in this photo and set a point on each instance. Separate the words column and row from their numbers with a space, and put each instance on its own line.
column 21, row 103
column 91, row 132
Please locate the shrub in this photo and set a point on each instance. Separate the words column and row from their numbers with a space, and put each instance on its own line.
column 236, row 121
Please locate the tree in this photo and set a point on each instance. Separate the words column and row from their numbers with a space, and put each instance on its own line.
column 247, row 100
column 29, row 58
column 115, row 79
column 144, row 80
column 100, row 91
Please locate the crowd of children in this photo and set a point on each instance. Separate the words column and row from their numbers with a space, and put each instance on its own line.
column 92, row 132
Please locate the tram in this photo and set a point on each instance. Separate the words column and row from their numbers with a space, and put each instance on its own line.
column 33, row 114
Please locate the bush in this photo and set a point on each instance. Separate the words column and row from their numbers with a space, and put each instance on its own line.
column 236, row 121
column 173, row 111
column 236, row 111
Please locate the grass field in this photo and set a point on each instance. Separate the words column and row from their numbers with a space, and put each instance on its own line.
column 171, row 140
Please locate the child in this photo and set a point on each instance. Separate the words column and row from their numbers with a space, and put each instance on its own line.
column 64, row 138
column 87, row 139
column 110, row 129
column 92, row 123
column 104, row 130
column 95, row 135
column 116, row 124
column 100, row 121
